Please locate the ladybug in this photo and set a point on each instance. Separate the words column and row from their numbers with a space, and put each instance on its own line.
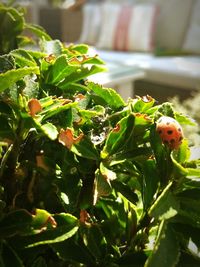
column 170, row 131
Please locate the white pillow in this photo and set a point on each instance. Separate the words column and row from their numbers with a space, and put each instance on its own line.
column 172, row 23
column 192, row 39
column 91, row 23
column 128, row 27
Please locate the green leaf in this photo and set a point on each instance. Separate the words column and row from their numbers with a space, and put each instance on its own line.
column 85, row 148
column 81, row 73
column 52, row 47
column 90, row 113
column 142, row 104
column 166, row 249
column 50, row 130
column 178, row 169
column 67, row 226
column 38, row 31
column 182, row 155
column 31, row 86
column 150, row 182
column 10, row 77
column 162, row 156
column 166, row 206
column 126, row 191
column 108, row 95
column 94, row 240
column 188, row 233
column 53, row 108
column 60, row 70
column 193, row 172
column 12, row 24
column 118, row 137
column 184, row 119
column 189, row 211
column 131, row 154
column 102, row 184
column 70, row 250
column 23, row 58
column 80, row 48
column 166, row 109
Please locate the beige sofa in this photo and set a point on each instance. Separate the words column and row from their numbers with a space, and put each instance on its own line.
column 171, row 66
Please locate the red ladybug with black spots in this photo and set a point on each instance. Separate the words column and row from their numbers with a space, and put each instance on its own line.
column 170, row 131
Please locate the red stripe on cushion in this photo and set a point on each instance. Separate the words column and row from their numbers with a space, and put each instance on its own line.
column 121, row 30
column 153, row 27
column 129, row 16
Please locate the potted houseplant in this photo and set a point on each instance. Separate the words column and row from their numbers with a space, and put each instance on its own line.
column 86, row 178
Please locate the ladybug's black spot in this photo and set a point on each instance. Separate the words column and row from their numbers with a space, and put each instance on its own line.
column 179, row 129
column 172, row 141
column 168, row 123
column 169, row 132
column 160, row 131
column 165, row 142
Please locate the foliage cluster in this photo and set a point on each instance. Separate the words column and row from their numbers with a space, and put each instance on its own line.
column 85, row 179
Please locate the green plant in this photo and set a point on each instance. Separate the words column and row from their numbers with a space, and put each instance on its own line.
column 85, row 178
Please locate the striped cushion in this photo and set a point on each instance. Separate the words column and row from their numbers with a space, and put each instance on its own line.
column 128, row 27
column 91, row 23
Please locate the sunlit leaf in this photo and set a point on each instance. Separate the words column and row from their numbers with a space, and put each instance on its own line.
column 166, row 241
column 23, row 58
column 12, row 76
column 108, row 95
column 166, row 205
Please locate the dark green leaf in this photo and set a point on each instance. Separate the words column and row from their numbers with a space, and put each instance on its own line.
column 150, row 182
column 126, row 191
column 85, row 148
column 94, row 241
column 119, row 136
column 131, row 154
column 15, row 222
column 162, row 156
column 70, row 250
